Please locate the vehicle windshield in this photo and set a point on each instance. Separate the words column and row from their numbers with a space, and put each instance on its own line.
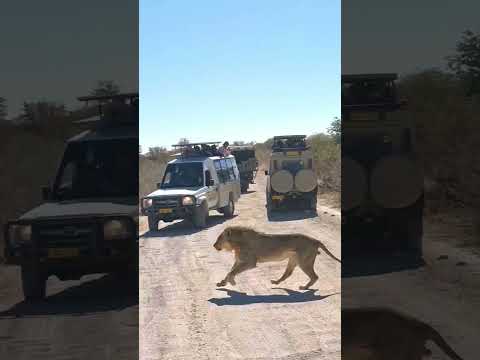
column 107, row 168
column 183, row 175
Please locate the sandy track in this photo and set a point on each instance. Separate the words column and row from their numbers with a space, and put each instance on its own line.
column 184, row 316
column 445, row 292
column 95, row 318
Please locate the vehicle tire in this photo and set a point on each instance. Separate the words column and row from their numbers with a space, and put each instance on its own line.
column 34, row 282
column 229, row 209
column 200, row 215
column 152, row 223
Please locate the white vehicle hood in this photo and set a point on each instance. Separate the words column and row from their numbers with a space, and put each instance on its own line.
column 175, row 192
column 80, row 208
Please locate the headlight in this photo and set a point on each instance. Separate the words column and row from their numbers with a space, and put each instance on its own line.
column 188, row 200
column 115, row 230
column 146, row 203
column 19, row 234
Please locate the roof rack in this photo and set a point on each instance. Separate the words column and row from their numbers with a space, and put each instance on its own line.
column 121, row 110
column 370, row 92
column 197, row 144
column 199, row 149
column 289, row 142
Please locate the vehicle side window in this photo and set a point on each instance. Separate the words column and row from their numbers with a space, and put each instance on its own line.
column 219, row 170
column 231, row 173
column 225, row 175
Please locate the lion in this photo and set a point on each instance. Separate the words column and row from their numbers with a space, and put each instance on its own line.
column 252, row 247
column 381, row 333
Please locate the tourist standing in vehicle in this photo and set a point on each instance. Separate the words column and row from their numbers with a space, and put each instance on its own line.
column 224, row 149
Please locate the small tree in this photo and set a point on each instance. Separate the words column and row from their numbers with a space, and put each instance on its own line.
column 335, row 130
column 465, row 63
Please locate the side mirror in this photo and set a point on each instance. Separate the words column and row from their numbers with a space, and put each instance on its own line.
column 158, row 185
column 266, row 172
column 208, row 178
column 46, row 193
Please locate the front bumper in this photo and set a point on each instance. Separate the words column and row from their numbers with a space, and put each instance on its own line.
column 57, row 252
column 169, row 214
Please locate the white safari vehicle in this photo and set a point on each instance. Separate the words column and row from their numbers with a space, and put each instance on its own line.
column 197, row 181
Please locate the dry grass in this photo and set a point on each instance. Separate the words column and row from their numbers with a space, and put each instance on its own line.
column 29, row 160
column 447, row 134
column 150, row 173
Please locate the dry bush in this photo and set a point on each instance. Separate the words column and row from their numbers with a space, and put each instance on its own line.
column 150, row 173
column 447, row 131
column 326, row 154
column 29, row 160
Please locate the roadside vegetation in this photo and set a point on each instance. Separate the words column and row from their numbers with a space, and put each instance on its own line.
column 445, row 108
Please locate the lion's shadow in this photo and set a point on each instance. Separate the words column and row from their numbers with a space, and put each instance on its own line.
column 292, row 296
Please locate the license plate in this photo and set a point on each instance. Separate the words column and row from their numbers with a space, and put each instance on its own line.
column 292, row 153
column 165, row 211
column 63, row 253
column 277, row 197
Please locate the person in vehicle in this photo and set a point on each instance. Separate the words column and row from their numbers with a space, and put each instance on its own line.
column 224, row 149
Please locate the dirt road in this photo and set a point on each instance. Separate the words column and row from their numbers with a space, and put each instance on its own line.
column 183, row 315
column 445, row 292
column 94, row 318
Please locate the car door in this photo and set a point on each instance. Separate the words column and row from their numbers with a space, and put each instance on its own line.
column 223, row 186
column 212, row 192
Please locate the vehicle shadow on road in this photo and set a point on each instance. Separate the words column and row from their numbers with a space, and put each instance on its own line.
column 377, row 264
column 291, row 215
column 185, row 227
column 107, row 293
column 291, row 296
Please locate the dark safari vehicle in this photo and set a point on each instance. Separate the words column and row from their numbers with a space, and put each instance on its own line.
column 292, row 179
column 88, row 222
column 382, row 179
column 247, row 164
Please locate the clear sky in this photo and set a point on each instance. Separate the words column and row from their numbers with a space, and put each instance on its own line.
column 237, row 70
column 56, row 50
column 404, row 36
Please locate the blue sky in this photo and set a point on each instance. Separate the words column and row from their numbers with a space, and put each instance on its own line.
column 237, row 70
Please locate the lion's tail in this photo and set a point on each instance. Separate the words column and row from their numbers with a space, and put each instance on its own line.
column 324, row 248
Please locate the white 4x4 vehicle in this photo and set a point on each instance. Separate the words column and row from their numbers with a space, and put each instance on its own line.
column 197, row 181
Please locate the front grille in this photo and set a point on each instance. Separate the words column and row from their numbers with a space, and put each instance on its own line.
column 166, row 202
column 65, row 235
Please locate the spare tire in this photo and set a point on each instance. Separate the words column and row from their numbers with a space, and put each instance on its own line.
column 282, row 181
column 354, row 183
column 306, row 180
column 396, row 182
